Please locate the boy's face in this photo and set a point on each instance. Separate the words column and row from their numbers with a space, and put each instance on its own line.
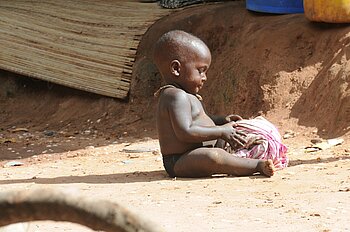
column 193, row 71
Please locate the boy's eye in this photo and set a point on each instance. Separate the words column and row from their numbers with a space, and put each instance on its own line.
column 201, row 70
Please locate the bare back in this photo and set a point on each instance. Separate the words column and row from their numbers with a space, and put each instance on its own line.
column 178, row 110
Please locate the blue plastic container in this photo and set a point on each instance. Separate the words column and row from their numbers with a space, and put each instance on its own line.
column 276, row 6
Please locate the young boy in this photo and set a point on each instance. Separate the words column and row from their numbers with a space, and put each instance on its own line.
column 189, row 139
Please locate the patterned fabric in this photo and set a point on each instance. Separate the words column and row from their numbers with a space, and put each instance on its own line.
column 172, row 4
column 270, row 143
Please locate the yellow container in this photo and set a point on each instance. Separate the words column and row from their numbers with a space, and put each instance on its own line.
column 331, row 11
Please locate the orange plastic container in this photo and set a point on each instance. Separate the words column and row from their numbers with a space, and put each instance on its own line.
column 331, row 11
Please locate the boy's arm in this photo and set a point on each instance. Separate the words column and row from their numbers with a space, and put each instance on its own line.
column 221, row 120
column 179, row 109
column 218, row 119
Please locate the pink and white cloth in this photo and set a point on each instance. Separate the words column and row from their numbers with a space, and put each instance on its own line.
column 270, row 146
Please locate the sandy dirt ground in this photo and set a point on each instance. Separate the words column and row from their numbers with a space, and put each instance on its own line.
column 312, row 194
column 101, row 148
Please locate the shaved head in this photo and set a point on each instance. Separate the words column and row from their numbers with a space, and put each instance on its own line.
column 177, row 45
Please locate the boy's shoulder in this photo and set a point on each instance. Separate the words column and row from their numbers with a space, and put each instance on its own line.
column 174, row 97
column 171, row 92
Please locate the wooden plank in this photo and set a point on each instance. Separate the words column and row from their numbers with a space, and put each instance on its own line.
column 85, row 44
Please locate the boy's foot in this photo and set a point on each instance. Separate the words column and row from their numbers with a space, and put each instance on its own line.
column 266, row 167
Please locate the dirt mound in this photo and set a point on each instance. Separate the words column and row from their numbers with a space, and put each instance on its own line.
column 280, row 65
column 39, row 105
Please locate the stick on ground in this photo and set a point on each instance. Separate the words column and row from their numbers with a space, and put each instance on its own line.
column 45, row 204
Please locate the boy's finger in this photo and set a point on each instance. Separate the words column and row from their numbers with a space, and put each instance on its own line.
column 232, row 145
column 234, row 124
column 241, row 139
column 239, row 142
column 241, row 133
column 233, row 117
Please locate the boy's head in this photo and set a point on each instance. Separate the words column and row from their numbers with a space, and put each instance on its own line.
column 182, row 59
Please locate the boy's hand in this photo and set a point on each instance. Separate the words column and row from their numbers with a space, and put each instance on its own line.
column 235, row 138
column 233, row 118
column 253, row 140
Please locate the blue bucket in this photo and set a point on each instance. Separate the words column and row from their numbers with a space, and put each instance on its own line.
column 276, row 6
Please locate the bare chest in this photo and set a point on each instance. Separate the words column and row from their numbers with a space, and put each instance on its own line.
column 199, row 116
column 196, row 107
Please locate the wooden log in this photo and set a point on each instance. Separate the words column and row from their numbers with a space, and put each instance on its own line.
column 46, row 204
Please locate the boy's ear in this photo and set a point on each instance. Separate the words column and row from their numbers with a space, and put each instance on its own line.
column 175, row 67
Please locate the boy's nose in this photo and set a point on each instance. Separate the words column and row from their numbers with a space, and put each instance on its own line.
column 204, row 77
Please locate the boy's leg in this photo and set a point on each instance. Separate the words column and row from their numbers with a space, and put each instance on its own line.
column 203, row 162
